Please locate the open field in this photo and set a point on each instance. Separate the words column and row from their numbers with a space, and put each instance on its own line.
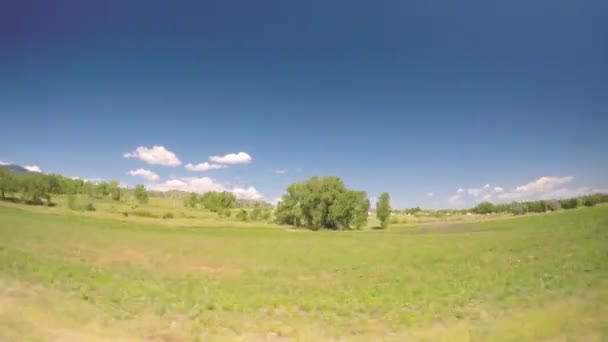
column 68, row 276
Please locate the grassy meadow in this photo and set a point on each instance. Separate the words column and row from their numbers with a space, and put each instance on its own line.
column 103, row 275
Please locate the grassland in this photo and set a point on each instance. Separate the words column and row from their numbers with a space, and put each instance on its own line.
column 67, row 276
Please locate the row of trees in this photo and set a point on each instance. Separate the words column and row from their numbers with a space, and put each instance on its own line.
column 217, row 202
column 38, row 188
column 521, row 208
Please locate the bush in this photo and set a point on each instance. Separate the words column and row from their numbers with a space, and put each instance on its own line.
column 143, row 213
column 518, row 208
column 484, row 208
column 589, row 201
column 256, row 213
column 569, row 203
column 89, row 207
column 553, row 205
column 242, row 215
column 168, row 216
column 395, row 219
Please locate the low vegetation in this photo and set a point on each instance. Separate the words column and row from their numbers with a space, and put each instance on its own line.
column 95, row 276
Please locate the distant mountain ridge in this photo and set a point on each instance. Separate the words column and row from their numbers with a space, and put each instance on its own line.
column 14, row 168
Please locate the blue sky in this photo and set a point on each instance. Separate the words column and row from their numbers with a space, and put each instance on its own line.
column 414, row 98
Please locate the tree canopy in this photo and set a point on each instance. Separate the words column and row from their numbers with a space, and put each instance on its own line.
column 323, row 202
column 383, row 209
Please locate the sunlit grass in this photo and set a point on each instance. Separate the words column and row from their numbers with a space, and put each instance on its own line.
column 102, row 275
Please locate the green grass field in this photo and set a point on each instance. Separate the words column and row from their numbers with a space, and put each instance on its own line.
column 67, row 276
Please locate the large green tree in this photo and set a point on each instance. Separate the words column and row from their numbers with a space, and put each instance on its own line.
column 322, row 202
column 383, row 209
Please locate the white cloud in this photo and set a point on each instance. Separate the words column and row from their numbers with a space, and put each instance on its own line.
column 280, row 172
column 4, row 163
column 430, row 194
column 203, row 184
column 232, row 158
column 249, row 193
column 543, row 187
column 204, row 166
column 466, row 197
column 145, row 174
column 32, row 168
column 157, row 155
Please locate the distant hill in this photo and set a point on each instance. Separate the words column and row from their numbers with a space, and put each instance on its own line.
column 14, row 168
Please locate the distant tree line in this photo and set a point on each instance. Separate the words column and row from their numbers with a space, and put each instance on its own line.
column 224, row 202
column 521, row 208
column 38, row 188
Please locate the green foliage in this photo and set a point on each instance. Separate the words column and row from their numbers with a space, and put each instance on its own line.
column 412, row 211
column 192, row 200
column 256, row 213
column 141, row 194
column 528, row 277
column 383, row 209
column 350, row 210
column 143, row 213
column 518, row 208
column 242, row 215
column 114, row 190
column 102, row 189
column 322, row 202
column 569, row 203
column 553, row 205
column 484, row 208
column 219, row 202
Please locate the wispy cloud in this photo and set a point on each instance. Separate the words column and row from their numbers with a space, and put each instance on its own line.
column 280, row 172
column 204, row 166
column 541, row 188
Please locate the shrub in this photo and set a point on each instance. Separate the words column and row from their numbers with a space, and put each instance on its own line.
column 484, row 208
column 569, row 203
column 256, row 213
column 394, row 219
column 168, row 216
column 143, row 213
column 242, row 215
column 518, row 208
column 553, row 205
column 89, row 207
